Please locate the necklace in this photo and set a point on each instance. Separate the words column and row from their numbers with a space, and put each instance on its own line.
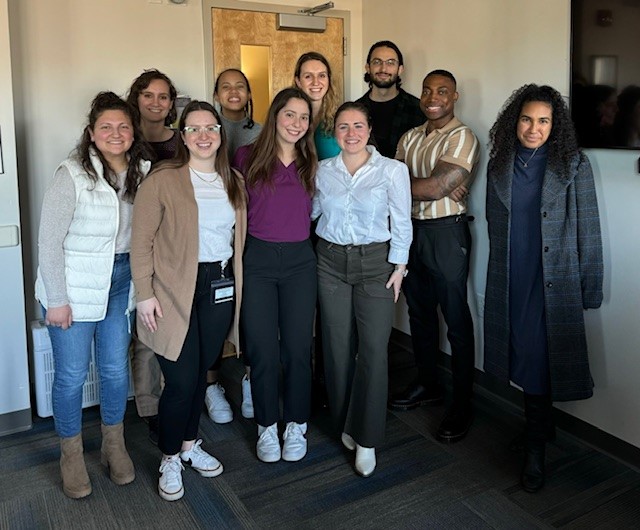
column 526, row 164
column 199, row 175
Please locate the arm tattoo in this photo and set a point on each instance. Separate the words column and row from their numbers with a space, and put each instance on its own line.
column 444, row 178
column 448, row 177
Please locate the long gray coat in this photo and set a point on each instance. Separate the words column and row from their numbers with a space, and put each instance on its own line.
column 572, row 273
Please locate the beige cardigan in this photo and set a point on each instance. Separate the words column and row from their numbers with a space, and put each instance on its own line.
column 164, row 256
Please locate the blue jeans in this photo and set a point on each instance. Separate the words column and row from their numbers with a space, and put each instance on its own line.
column 72, row 354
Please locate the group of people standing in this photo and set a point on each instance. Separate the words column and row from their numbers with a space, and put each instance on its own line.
column 214, row 243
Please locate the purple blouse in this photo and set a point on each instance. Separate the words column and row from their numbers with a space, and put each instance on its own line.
column 280, row 212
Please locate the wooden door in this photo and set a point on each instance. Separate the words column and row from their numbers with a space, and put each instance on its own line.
column 232, row 29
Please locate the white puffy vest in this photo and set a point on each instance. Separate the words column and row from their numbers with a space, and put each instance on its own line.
column 89, row 246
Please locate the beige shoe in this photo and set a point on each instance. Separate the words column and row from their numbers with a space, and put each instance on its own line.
column 114, row 455
column 75, row 480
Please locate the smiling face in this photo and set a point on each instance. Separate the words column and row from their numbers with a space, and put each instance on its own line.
column 313, row 79
column 534, row 124
column 438, row 99
column 154, row 102
column 232, row 93
column 292, row 121
column 202, row 145
column 384, row 67
column 112, row 134
column 352, row 131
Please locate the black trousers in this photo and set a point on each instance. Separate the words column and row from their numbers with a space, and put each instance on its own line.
column 278, row 305
column 186, row 379
column 438, row 271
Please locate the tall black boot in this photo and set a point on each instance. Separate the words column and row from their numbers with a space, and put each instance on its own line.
column 538, row 415
column 519, row 443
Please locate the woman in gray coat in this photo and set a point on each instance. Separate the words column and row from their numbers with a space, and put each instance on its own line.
column 545, row 262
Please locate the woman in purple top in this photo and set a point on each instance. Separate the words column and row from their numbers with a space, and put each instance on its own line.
column 279, row 295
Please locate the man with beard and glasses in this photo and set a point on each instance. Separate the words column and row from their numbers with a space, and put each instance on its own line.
column 393, row 111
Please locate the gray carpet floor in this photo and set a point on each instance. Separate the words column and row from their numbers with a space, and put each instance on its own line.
column 418, row 483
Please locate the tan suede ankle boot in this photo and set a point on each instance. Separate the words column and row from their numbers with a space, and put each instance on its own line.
column 114, row 455
column 75, row 480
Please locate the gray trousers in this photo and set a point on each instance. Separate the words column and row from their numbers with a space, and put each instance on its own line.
column 353, row 299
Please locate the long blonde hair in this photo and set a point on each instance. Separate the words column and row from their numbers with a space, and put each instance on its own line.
column 330, row 101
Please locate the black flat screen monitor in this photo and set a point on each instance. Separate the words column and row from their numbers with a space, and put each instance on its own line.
column 605, row 72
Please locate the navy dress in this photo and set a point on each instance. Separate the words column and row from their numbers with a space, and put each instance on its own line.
column 528, row 355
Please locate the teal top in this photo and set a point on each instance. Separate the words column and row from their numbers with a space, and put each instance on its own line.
column 326, row 144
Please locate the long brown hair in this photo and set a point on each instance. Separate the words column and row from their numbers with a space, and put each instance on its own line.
column 232, row 182
column 330, row 101
column 264, row 155
column 138, row 151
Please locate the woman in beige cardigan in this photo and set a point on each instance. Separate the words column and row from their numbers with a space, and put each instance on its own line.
column 189, row 226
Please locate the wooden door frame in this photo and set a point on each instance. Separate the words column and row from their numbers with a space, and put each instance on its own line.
column 208, row 5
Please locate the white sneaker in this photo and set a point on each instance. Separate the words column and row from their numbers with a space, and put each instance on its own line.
column 201, row 461
column 365, row 460
column 295, row 444
column 247, row 400
column 170, row 483
column 268, row 446
column 217, row 405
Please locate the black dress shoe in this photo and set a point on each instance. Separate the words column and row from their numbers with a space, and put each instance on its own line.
column 455, row 425
column 414, row 396
column 533, row 474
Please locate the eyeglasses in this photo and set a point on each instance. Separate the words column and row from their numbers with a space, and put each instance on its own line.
column 380, row 62
column 211, row 129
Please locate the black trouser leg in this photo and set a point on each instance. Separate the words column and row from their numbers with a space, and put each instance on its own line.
column 186, row 378
column 439, row 265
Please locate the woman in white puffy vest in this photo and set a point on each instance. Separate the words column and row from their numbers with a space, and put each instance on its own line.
column 84, row 282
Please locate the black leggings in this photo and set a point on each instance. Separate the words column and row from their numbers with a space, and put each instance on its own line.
column 186, row 379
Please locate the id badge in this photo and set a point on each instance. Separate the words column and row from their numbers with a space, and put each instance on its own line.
column 222, row 290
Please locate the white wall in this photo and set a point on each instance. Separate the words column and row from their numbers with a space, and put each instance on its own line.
column 494, row 47
column 63, row 53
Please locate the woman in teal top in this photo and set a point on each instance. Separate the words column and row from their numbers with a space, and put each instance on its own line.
column 313, row 76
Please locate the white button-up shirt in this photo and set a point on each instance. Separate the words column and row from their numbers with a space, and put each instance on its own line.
column 372, row 206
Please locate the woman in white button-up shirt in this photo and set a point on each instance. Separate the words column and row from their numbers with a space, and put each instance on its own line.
column 363, row 201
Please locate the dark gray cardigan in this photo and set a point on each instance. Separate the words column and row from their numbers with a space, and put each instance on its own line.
column 572, row 269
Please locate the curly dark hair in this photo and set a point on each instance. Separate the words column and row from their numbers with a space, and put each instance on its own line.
column 562, row 142
column 384, row 44
column 142, row 82
column 138, row 151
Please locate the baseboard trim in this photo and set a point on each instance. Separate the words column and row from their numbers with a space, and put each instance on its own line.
column 13, row 422
column 489, row 387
